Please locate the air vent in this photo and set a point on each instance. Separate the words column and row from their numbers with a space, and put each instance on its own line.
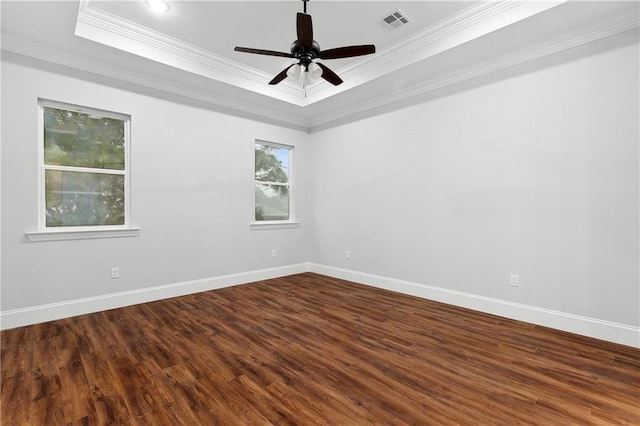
column 395, row 20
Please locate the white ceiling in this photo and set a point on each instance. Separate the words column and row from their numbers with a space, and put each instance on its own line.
column 188, row 51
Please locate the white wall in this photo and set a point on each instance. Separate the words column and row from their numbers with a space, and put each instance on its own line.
column 192, row 197
column 533, row 173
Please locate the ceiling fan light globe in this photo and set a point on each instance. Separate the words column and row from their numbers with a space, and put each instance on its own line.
column 294, row 72
column 314, row 72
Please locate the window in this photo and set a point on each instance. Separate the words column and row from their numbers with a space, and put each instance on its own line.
column 273, row 167
column 84, row 170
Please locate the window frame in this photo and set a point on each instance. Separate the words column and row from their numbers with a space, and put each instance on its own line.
column 47, row 233
column 284, row 223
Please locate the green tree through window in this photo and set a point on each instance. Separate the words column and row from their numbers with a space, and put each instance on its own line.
column 272, row 179
column 84, row 167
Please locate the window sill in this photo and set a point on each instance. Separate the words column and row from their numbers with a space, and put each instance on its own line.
column 82, row 234
column 255, row 226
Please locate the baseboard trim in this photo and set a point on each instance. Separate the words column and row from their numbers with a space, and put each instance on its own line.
column 54, row 311
column 586, row 326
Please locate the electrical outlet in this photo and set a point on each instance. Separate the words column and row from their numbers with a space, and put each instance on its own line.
column 273, row 253
column 347, row 255
column 514, row 280
column 115, row 272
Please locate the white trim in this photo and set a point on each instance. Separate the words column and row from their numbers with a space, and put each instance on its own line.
column 259, row 226
column 586, row 326
column 42, row 205
column 291, row 221
column 83, row 109
column 53, row 311
column 591, row 327
column 103, row 27
column 371, row 107
column 91, row 170
column 337, row 116
column 229, row 104
column 46, row 233
column 111, row 30
column 469, row 24
column 81, row 234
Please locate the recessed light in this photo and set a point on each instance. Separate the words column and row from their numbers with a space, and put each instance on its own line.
column 160, row 6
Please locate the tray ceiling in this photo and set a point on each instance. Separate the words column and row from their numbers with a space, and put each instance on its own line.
column 188, row 51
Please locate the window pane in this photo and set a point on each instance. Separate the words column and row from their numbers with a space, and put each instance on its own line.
column 83, row 199
column 272, row 202
column 83, row 140
column 272, row 164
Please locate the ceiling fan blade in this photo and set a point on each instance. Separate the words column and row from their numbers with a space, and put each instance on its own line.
column 347, row 51
column 283, row 74
column 329, row 75
column 305, row 30
column 263, row 52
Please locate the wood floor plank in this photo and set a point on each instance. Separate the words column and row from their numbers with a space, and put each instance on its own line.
column 108, row 400
column 310, row 350
column 15, row 400
column 78, row 404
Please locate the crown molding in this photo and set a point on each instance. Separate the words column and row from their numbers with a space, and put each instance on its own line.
column 475, row 21
column 368, row 108
column 50, row 55
column 318, row 122
column 112, row 30
column 462, row 27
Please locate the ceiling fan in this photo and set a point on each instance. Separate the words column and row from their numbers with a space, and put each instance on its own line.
column 305, row 49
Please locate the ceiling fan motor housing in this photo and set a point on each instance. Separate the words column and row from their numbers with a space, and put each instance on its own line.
column 305, row 56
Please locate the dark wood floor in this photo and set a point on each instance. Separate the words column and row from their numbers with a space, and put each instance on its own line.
column 308, row 350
